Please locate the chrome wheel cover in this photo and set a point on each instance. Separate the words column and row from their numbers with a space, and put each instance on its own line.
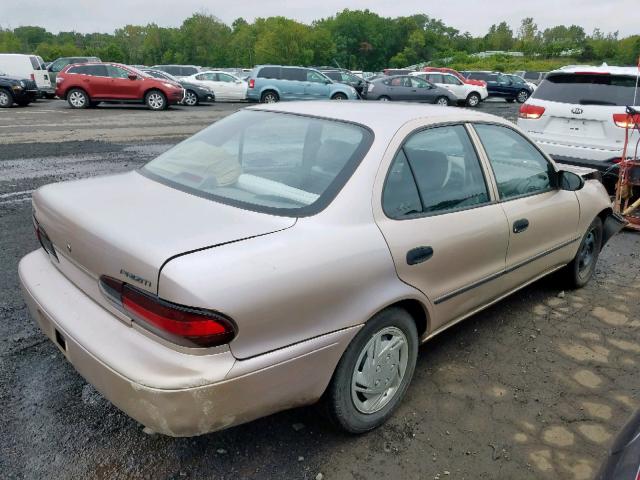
column 522, row 97
column 155, row 101
column 473, row 100
column 77, row 99
column 443, row 102
column 380, row 370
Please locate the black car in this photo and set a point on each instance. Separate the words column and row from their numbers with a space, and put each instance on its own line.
column 16, row 90
column 623, row 461
column 344, row 76
column 509, row 87
column 193, row 94
column 408, row 89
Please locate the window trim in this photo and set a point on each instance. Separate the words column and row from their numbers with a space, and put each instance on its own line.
column 325, row 199
column 553, row 181
column 413, row 216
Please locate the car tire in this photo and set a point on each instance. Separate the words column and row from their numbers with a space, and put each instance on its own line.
column 473, row 100
column 155, row 100
column 339, row 96
column 384, row 98
column 346, row 405
column 6, row 98
column 269, row 97
column 78, row 98
column 583, row 266
column 442, row 101
column 522, row 96
column 191, row 98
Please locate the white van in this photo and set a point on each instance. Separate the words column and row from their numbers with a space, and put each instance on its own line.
column 28, row 66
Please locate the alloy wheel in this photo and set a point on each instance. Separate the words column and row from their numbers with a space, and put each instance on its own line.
column 522, row 97
column 270, row 98
column 77, row 99
column 190, row 99
column 442, row 102
column 156, row 101
column 473, row 100
column 4, row 99
column 380, row 369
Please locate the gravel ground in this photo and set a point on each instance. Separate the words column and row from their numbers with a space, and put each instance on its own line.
column 534, row 387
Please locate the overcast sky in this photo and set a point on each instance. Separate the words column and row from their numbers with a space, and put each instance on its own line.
column 466, row 15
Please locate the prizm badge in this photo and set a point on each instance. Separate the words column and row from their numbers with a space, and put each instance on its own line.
column 135, row 278
column 576, row 111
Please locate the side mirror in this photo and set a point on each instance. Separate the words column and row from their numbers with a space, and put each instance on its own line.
column 570, row 181
column 133, row 76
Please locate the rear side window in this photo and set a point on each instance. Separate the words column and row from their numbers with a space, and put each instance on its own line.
column 519, row 168
column 187, row 71
column 587, row 89
column 269, row 72
column 441, row 162
column 94, row 70
column 436, row 78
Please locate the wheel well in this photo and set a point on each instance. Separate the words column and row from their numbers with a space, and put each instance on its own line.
column 605, row 213
column 417, row 311
column 473, row 93
column 152, row 89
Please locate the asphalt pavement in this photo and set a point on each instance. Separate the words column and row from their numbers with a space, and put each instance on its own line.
column 534, row 387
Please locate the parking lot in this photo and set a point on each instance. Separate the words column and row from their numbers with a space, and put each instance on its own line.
column 534, row 387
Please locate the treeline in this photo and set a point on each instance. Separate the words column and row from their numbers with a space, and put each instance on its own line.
column 355, row 39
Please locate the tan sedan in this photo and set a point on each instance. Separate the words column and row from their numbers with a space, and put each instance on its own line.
column 300, row 252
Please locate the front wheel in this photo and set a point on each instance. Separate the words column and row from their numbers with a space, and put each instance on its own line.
column 155, row 100
column 522, row 96
column 374, row 372
column 78, row 98
column 473, row 99
column 190, row 98
column 6, row 99
column 442, row 101
column 583, row 266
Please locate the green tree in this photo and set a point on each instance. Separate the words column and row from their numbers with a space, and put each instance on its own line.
column 500, row 37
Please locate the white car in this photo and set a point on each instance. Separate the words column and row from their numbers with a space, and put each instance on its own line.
column 578, row 115
column 225, row 85
column 27, row 66
column 471, row 95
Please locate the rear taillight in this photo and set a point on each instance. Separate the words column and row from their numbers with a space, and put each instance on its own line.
column 252, row 83
column 45, row 241
column 530, row 112
column 182, row 325
column 625, row 120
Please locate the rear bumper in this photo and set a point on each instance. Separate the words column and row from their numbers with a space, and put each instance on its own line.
column 169, row 391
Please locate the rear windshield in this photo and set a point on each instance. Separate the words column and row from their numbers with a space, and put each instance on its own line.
column 276, row 163
column 587, row 89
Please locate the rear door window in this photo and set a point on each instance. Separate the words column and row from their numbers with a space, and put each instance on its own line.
column 117, row 72
column 295, row 74
column 93, row 70
column 269, row 72
column 315, row 77
column 451, row 80
column 588, row 89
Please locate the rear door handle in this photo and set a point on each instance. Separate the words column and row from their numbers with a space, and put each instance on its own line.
column 520, row 225
column 419, row 255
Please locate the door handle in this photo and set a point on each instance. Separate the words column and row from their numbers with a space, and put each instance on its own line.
column 520, row 225
column 419, row 255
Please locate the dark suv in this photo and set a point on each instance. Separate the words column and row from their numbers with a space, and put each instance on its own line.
column 22, row 91
column 503, row 86
column 339, row 75
column 91, row 83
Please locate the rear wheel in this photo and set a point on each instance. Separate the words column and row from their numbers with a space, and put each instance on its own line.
column 583, row 266
column 78, row 98
column 442, row 101
column 339, row 96
column 190, row 98
column 384, row 98
column 155, row 100
column 374, row 372
column 6, row 99
column 269, row 97
column 473, row 99
column 522, row 96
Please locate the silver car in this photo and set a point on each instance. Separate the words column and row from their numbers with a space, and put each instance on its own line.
column 296, row 252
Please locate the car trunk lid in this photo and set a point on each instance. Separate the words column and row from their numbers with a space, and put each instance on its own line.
column 128, row 226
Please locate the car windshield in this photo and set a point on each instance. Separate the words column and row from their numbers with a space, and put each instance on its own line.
column 277, row 163
column 588, row 89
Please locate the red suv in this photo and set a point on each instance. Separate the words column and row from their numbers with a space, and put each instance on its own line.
column 468, row 81
column 88, row 84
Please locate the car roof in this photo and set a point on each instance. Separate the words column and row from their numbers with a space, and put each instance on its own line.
column 380, row 116
column 632, row 71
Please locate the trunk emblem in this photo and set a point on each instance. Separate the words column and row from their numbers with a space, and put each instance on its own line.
column 69, row 247
column 577, row 111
